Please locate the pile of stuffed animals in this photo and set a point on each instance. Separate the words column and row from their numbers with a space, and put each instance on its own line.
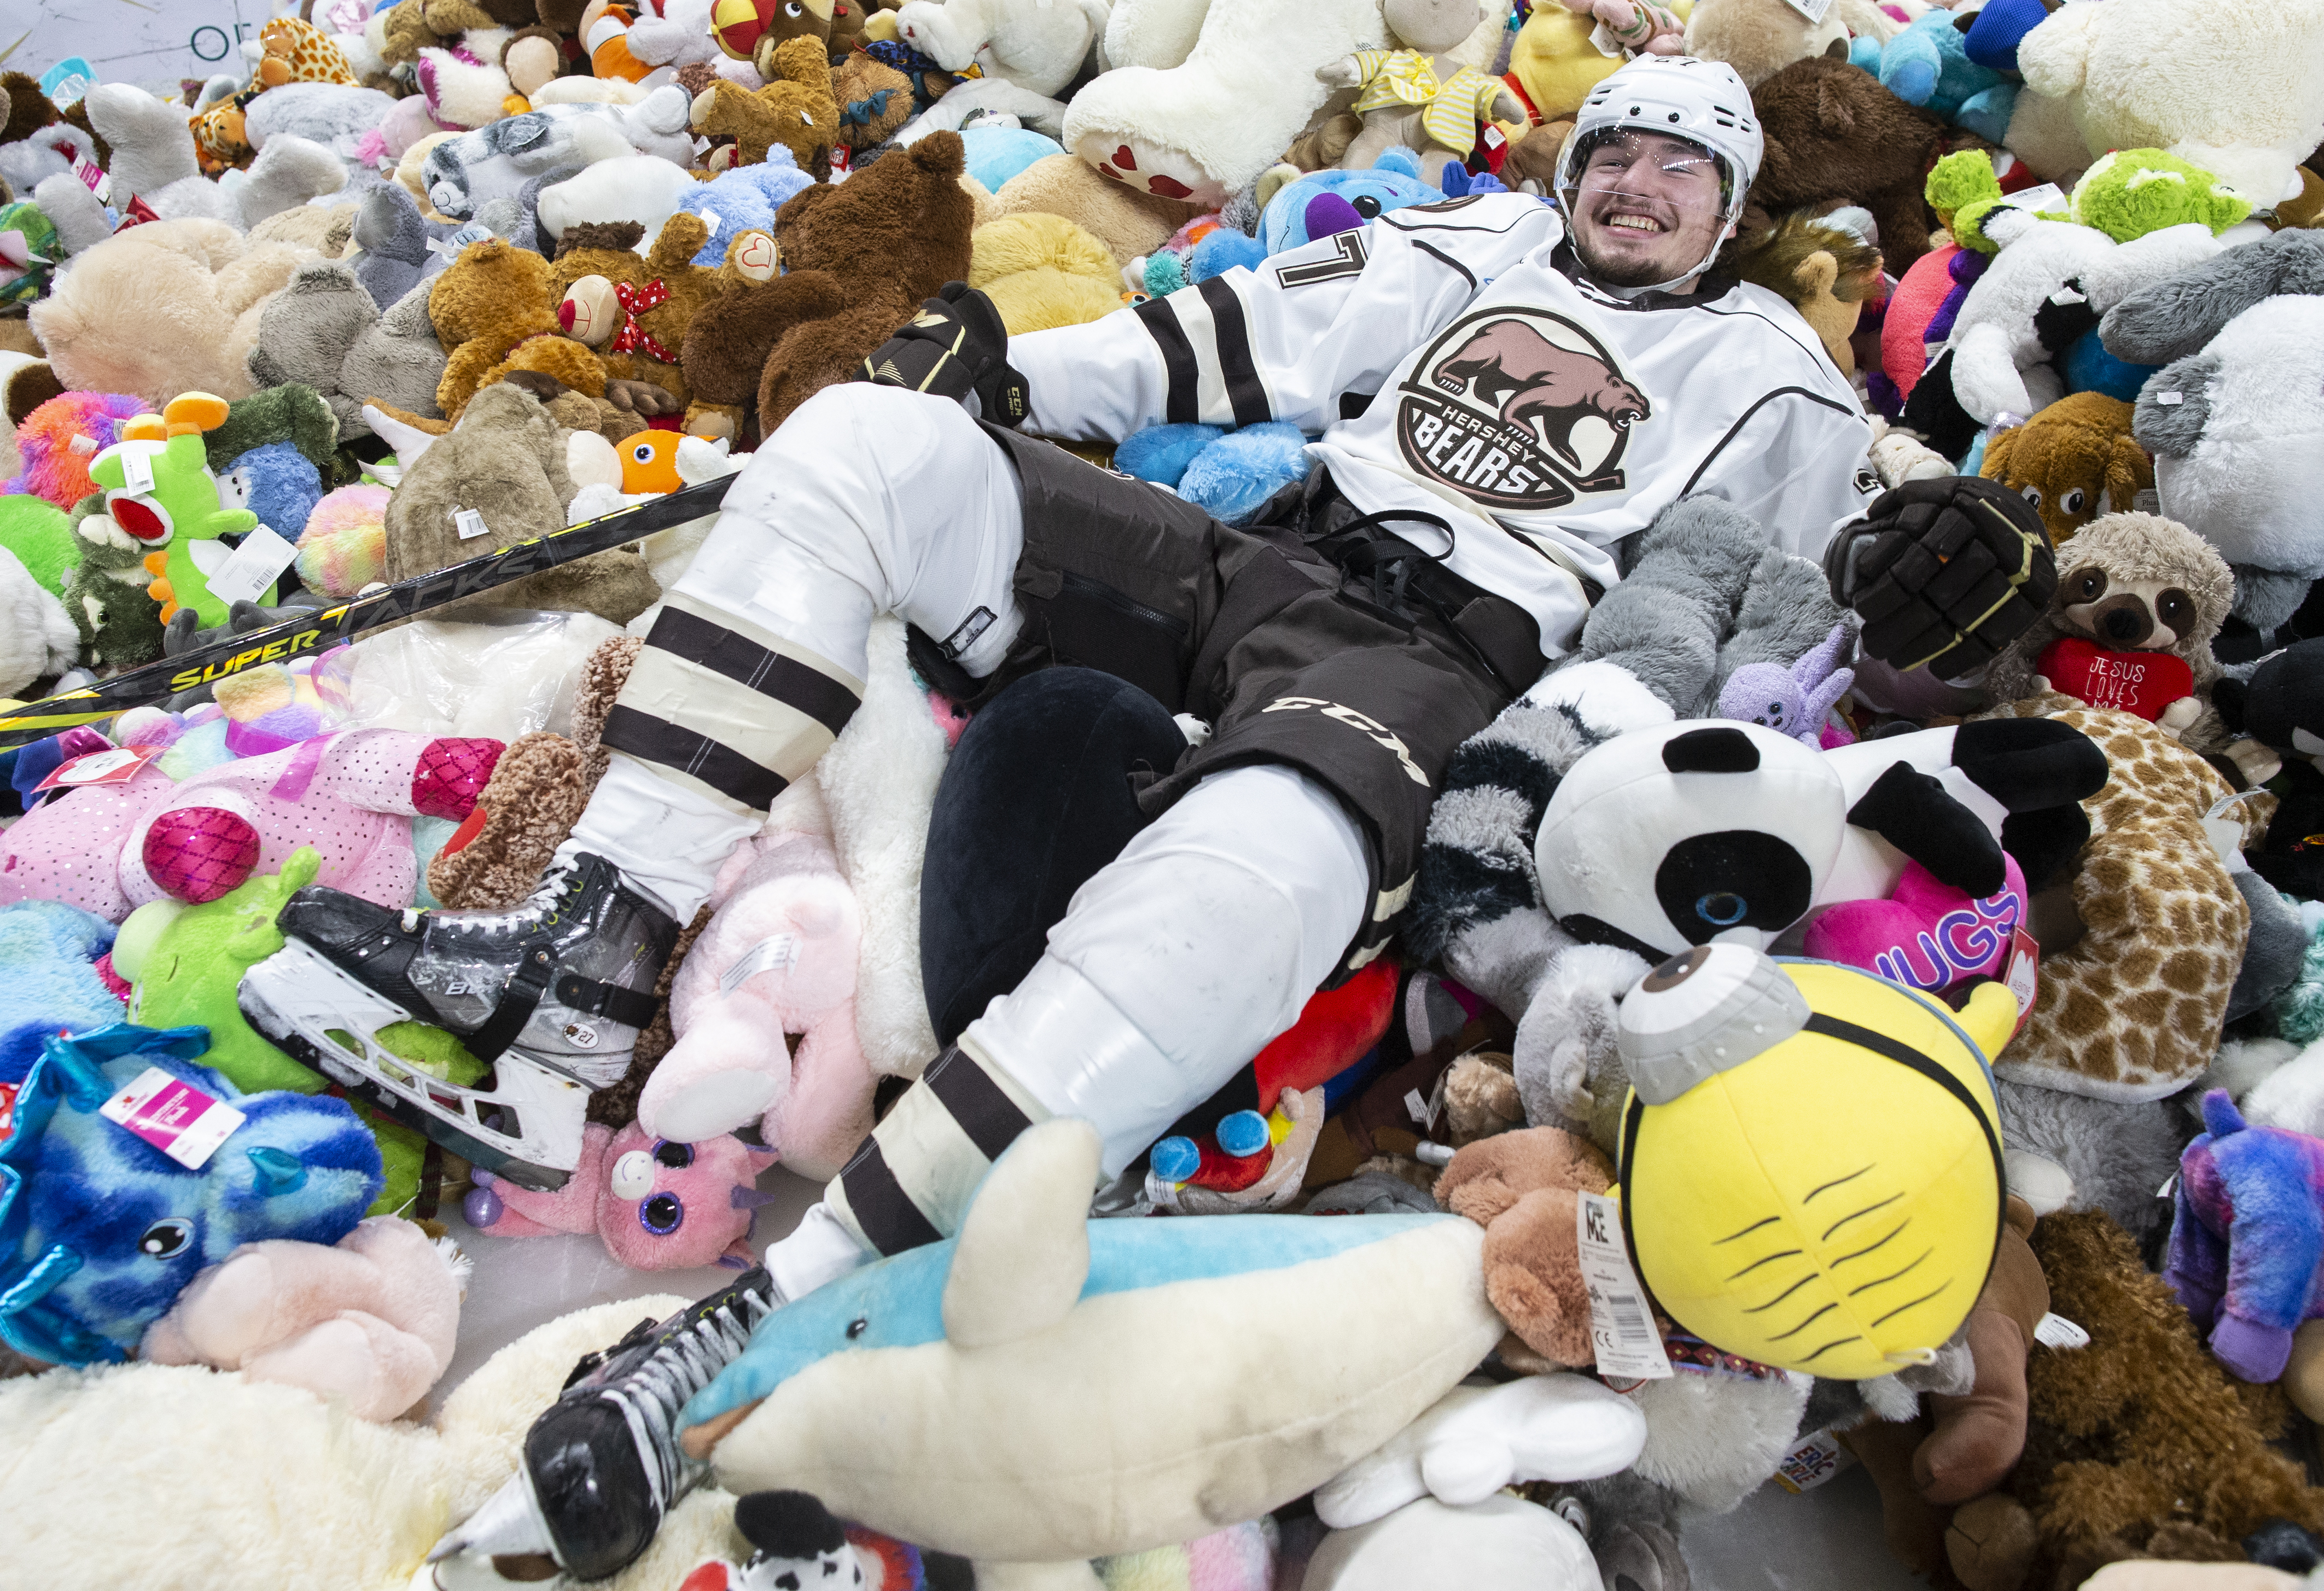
column 420, row 280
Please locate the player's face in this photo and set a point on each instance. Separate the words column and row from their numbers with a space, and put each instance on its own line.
column 1646, row 209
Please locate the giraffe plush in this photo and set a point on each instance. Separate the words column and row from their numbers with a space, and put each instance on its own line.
column 2132, row 1011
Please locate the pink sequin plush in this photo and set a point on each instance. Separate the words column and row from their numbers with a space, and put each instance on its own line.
column 198, row 853
column 451, row 774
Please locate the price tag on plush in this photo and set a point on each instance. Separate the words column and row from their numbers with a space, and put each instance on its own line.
column 180, row 1120
column 1621, row 1326
column 253, row 568
column 116, row 767
column 2143, row 682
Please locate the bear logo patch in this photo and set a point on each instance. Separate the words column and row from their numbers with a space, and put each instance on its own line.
column 1519, row 409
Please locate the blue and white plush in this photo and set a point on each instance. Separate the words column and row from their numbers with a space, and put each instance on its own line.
column 743, row 198
column 99, row 1230
column 1928, row 64
column 995, row 154
column 1045, row 1387
column 1392, row 183
column 50, row 949
column 1228, row 474
column 277, row 483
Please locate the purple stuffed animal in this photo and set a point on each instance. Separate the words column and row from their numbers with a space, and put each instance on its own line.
column 2247, row 1238
column 1794, row 700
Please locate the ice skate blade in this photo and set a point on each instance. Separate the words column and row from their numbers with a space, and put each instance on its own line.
column 325, row 1020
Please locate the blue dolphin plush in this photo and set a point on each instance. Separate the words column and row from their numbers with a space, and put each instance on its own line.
column 1045, row 1387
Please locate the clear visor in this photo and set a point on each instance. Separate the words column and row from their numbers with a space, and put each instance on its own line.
column 1652, row 173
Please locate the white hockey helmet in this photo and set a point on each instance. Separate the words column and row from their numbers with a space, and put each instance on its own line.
column 1703, row 102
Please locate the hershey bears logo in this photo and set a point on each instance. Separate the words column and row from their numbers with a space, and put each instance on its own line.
column 1518, row 409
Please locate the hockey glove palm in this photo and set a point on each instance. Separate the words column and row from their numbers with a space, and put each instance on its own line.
column 955, row 347
column 1944, row 573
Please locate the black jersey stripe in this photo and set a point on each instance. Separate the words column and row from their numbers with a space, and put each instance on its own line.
column 1745, row 418
column 1182, row 406
column 1447, row 259
column 1245, row 392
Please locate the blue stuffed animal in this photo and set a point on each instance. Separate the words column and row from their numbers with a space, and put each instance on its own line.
column 99, row 1230
column 1292, row 217
column 51, row 950
column 1228, row 474
column 742, row 199
column 1063, row 1388
column 277, row 483
column 1928, row 64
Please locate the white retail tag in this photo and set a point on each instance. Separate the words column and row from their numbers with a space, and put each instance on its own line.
column 175, row 1117
column 1813, row 1459
column 2170, row 399
column 93, row 177
column 2058, row 1332
column 469, row 523
column 710, row 219
column 779, row 954
column 2048, row 196
column 137, row 469
column 1812, row 9
column 2170, row 1186
column 254, row 567
column 1603, row 41
column 1622, row 1328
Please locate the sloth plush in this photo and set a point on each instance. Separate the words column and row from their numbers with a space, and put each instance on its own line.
column 2139, row 600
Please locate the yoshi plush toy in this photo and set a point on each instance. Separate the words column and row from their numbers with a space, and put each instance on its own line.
column 158, row 489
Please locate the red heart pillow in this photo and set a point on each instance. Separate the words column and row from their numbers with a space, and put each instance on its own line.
column 2143, row 682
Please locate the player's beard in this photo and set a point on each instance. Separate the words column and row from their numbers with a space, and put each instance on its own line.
column 1634, row 272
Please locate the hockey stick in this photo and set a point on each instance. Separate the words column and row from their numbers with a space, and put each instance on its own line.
column 320, row 628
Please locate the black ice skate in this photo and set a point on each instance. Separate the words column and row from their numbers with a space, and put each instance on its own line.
column 601, row 1465
column 550, row 994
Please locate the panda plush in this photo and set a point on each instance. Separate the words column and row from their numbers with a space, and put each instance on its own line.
column 1695, row 833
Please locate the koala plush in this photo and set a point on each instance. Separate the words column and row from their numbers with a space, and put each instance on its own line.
column 2235, row 418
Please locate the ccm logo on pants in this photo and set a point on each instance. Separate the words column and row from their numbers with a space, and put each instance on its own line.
column 1380, row 733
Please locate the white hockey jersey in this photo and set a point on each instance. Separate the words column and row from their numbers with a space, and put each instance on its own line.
column 1451, row 367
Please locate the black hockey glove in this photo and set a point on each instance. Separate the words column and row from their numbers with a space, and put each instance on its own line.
column 1944, row 573
column 954, row 347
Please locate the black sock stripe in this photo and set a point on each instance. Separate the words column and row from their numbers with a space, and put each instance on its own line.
column 1182, row 406
column 788, row 680
column 883, row 1211
column 721, row 767
column 970, row 1096
column 1245, row 392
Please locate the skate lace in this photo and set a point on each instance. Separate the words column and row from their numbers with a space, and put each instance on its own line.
column 650, row 1396
column 538, row 909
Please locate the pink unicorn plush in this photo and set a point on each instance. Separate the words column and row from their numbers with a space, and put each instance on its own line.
column 764, row 1010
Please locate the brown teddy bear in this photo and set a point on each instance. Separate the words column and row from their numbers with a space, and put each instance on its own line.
column 637, row 338
column 783, row 340
column 2137, row 1445
column 874, row 100
column 1521, row 1187
column 494, row 310
column 505, row 463
column 1833, row 133
column 2074, row 460
column 1959, row 1447
column 796, row 110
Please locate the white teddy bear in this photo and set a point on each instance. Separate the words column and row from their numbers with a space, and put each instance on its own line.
column 2234, row 88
